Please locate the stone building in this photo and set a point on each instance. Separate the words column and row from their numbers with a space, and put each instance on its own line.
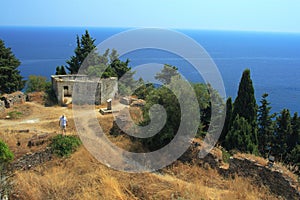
column 64, row 86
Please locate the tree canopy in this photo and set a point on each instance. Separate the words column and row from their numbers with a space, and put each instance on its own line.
column 166, row 74
column 228, row 121
column 60, row 70
column 239, row 136
column 85, row 46
column 36, row 84
column 244, row 116
column 265, row 126
column 245, row 103
column 10, row 78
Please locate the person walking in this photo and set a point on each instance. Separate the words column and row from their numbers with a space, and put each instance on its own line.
column 63, row 124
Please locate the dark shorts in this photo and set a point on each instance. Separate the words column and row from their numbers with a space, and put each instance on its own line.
column 63, row 127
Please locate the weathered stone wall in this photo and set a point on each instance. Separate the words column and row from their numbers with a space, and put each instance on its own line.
column 13, row 99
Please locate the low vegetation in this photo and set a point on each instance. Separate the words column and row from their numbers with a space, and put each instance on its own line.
column 83, row 177
column 6, row 156
column 14, row 114
column 64, row 146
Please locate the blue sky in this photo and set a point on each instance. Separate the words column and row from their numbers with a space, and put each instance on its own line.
column 253, row 15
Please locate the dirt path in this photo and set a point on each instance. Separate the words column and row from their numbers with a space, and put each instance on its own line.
column 39, row 117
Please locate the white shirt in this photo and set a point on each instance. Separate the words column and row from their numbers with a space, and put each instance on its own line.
column 63, row 121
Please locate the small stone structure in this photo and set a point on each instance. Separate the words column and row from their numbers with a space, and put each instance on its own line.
column 104, row 88
column 8, row 100
column 108, row 109
column 109, row 104
column 127, row 100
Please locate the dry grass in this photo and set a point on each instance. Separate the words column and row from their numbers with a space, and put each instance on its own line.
column 79, row 177
column 259, row 160
column 82, row 177
column 277, row 166
column 18, row 142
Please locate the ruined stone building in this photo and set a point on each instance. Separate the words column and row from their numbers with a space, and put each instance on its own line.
column 8, row 100
column 64, row 86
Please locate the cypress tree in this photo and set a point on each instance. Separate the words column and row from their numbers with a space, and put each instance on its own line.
column 10, row 78
column 60, row 70
column 228, row 121
column 239, row 136
column 265, row 126
column 245, row 104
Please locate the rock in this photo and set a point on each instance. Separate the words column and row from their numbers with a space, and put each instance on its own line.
column 275, row 180
column 138, row 103
column 2, row 106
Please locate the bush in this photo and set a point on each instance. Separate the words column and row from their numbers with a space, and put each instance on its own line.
column 14, row 114
column 225, row 156
column 36, row 84
column 64, row 146
column 5, row 154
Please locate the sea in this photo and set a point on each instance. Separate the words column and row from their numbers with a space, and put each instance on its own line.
column 273, row 58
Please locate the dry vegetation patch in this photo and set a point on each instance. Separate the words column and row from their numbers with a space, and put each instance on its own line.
column 81, row 176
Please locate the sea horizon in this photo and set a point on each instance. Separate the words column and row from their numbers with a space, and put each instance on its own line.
column 272, row 57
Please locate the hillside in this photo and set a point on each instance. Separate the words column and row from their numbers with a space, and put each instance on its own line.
column 82, row 177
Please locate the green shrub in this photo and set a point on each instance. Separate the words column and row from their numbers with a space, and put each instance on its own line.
column 5, row 154
column 225, row 156
column 64, row 146
column 15, row 114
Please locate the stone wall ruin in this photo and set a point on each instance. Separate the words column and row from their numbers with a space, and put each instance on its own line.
column 8, row 100
column 64, row 85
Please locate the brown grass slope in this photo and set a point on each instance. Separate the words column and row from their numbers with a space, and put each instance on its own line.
column 81, row 176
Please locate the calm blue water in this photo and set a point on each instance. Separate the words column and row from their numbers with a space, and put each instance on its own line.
column 273, row 58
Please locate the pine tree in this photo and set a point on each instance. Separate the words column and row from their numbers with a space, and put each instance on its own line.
column 85, row 46
column 294, row 139
column 120, row 67
column 10, row 78
column 283, row 132
column 166, row 74
column 295, row 157
column 228, row 121
column 245, row 104
column 265, row 126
